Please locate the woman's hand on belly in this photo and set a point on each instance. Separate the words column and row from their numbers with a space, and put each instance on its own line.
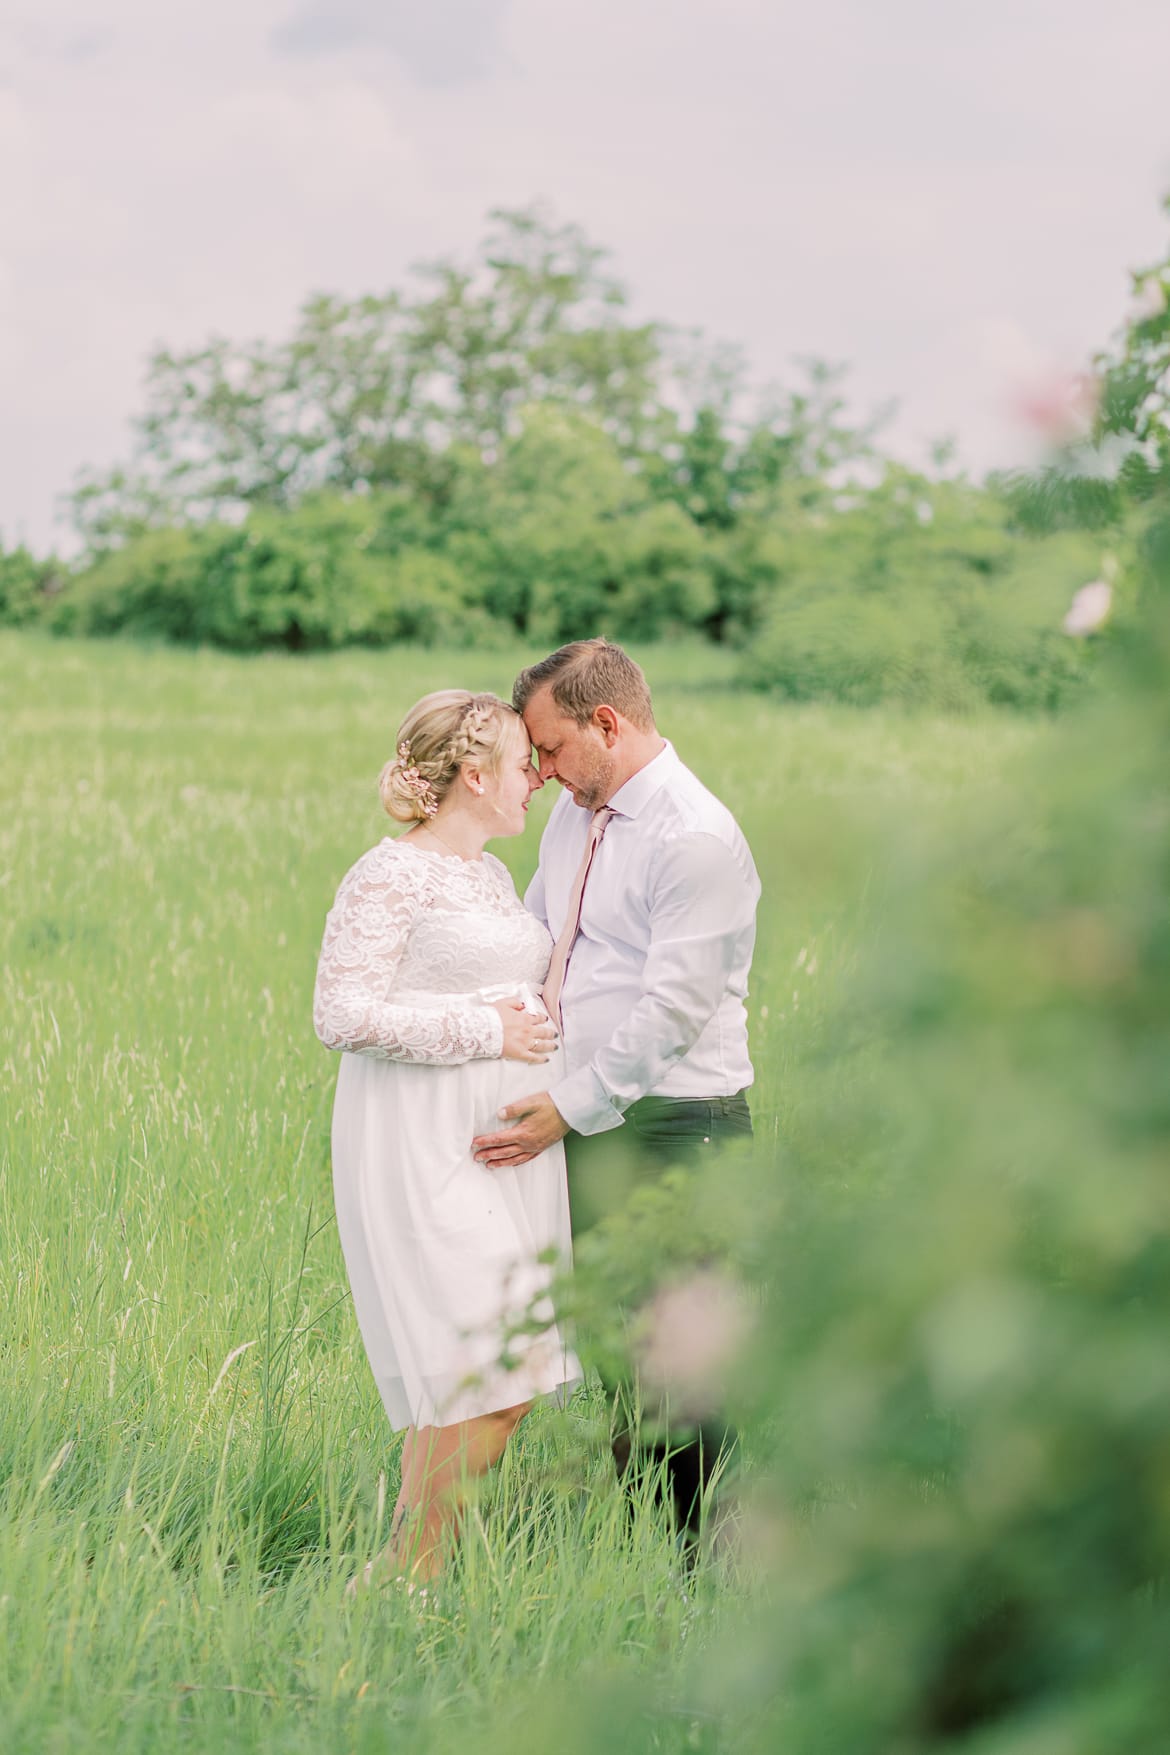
column 528, row 1035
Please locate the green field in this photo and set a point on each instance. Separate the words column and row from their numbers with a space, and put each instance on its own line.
column 192, row 1446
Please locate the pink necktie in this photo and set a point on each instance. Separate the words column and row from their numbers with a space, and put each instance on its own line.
column 554, row 981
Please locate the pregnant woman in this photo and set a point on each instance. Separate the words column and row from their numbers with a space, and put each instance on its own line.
column 429, row 984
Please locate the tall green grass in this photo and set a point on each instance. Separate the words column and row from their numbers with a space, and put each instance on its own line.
column 194, row 1456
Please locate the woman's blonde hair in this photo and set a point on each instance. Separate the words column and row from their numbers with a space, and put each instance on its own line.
column 439, row 735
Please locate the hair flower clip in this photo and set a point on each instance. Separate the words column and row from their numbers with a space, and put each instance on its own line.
column 415, row 784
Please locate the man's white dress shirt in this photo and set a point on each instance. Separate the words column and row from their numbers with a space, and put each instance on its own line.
column 653, row 1002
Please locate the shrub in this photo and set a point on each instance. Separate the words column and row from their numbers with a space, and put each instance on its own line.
column 152, row 587
column 325, row 575
column 301, row 580
column 561, row 539
column 27, row 587
column 922, row 595
column 916, row 592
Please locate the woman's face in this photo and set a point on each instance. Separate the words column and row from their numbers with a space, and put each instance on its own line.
column 509, row 789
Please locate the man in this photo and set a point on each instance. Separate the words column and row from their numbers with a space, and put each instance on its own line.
column 649, row 891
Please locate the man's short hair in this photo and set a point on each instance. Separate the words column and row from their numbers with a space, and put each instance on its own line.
column 585, row 675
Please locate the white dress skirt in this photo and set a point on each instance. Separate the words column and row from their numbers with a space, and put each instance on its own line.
column 449, row 1262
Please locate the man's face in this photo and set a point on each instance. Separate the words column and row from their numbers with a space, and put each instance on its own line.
column 576, row 755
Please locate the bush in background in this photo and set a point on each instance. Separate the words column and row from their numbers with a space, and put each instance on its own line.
column 560, row 538
column 153, row 588
column 920, row 592
column 322, row 576
column 912, row 591
column 27, row 587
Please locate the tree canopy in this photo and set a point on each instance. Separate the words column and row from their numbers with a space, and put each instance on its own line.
column 390, row 389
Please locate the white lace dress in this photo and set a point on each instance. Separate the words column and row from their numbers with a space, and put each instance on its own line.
column 442, row 1254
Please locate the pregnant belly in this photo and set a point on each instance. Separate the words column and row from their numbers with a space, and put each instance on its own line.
column 521, row 1078
column 449, row 1105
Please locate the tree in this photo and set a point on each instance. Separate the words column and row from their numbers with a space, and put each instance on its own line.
column 731, row 452
column 399, row 389
column 375, row 391
column 1099, row 477
column 561, row 537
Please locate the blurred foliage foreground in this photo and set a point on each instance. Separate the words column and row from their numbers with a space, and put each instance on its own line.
column 967, row 1341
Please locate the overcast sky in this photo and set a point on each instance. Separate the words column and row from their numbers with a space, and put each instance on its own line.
column 947, row 195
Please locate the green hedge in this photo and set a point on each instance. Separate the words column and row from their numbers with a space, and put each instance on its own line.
column 923, row 599
column 913, row 591
column 27, row 587
column 304, row 580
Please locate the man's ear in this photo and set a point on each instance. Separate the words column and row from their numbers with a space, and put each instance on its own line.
column 607, row 722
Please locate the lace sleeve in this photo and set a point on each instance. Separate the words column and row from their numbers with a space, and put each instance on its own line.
column 353, row 1005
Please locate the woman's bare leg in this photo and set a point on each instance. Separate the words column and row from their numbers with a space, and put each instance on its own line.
column 437, row 1461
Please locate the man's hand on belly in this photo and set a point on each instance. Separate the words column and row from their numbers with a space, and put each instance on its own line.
column 537, row 1125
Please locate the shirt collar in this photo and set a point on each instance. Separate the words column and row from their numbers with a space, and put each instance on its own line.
column 631, row 799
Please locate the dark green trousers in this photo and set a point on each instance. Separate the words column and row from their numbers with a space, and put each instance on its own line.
column 604, row 1170
column 658, row 1132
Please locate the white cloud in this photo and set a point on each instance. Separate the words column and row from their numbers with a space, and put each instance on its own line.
column 444, row 42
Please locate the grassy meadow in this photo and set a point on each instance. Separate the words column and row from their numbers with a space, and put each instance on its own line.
column 194, row 1455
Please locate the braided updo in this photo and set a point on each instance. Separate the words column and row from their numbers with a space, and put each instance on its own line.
column 439, row 734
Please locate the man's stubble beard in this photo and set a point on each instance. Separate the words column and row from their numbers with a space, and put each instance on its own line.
column 593, row 792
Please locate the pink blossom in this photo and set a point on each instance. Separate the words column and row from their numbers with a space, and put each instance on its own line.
column 1089, row 609
column 687, row 1340
column 1059, row 405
